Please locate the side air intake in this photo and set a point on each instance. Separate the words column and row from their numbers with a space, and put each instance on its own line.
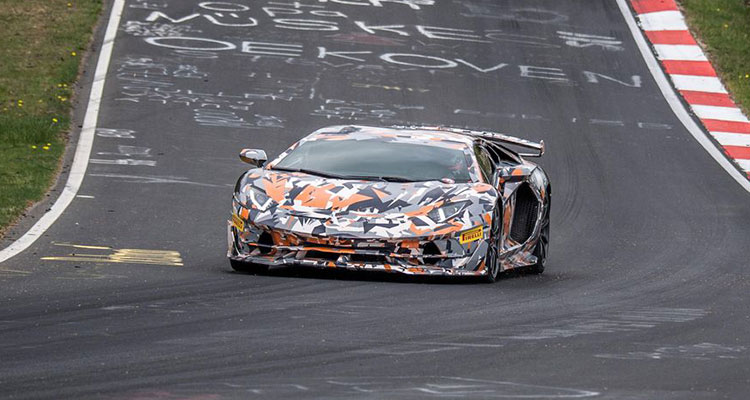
column 525, row 215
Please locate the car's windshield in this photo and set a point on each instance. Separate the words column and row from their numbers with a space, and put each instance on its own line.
column 377, row 159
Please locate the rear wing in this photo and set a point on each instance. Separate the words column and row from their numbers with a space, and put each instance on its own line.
column 494, row 137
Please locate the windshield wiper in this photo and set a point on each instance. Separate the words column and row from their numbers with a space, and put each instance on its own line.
column 310, row 172
column 382, row 178
column 396, row 179
column 337, row 176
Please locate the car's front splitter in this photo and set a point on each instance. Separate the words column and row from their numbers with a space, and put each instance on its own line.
column 394, row 268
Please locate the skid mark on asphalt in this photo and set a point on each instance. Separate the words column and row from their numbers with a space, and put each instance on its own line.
column 623, row 321
column 8, row 273
column 405, row 349
column 398, row 387
column 617, row 322
column 123, row 256
column 696, row 352
column 424, row 346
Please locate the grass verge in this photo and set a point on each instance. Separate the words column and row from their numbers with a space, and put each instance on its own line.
column 41, row 53
column 724, row 28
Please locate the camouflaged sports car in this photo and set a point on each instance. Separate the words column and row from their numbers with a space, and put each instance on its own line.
column 415, row 200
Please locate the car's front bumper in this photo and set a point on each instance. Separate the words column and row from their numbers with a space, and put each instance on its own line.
column 447, row 256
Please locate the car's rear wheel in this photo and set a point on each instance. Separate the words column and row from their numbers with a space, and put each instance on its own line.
column 492, row 264
column 542, row 247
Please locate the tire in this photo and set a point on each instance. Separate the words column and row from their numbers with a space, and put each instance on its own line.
column 542, row 247
column 248, row 268
column 491, row 261
column 243, row 266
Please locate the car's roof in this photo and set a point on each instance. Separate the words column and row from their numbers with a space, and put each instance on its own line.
column 402, row 135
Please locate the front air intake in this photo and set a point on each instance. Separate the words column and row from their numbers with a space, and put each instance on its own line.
column 525, row 214
column 431, row 249
column 265, row 243
column 367, row 258
column 321, row 255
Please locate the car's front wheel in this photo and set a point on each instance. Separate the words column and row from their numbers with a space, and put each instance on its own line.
column 248, row 268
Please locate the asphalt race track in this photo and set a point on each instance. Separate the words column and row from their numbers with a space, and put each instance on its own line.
column 129, row 294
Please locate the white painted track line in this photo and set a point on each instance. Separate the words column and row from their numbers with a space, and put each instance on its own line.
column 662, row 21
column 85, row 142
column 672, row 99
column 732, row 139
column 744, row 164
column 733, row 114
column 695, row 83
column 679, row 52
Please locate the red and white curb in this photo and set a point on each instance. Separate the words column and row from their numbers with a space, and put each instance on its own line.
column 695, row 78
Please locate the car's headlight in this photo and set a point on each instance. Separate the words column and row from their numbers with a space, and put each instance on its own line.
column 446, row 212
column 249, row 195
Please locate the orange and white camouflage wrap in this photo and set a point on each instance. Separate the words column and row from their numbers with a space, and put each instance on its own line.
column 295, row 218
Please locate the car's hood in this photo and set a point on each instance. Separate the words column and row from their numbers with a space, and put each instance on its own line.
column 309, row 204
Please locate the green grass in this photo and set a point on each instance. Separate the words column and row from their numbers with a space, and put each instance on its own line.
column 41, row 49
column 724, row 28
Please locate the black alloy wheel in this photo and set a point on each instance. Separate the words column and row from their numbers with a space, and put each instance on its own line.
column 491, row 264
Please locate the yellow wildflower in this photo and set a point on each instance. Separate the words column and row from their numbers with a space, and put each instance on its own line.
column 54, row 120
column 49, row 144
column 33, row 147
column 45, row 148
column 73, row 53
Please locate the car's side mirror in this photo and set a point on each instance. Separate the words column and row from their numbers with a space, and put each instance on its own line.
column 255, row 157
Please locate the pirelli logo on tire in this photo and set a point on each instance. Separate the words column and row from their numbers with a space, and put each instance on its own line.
column 471, row 235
